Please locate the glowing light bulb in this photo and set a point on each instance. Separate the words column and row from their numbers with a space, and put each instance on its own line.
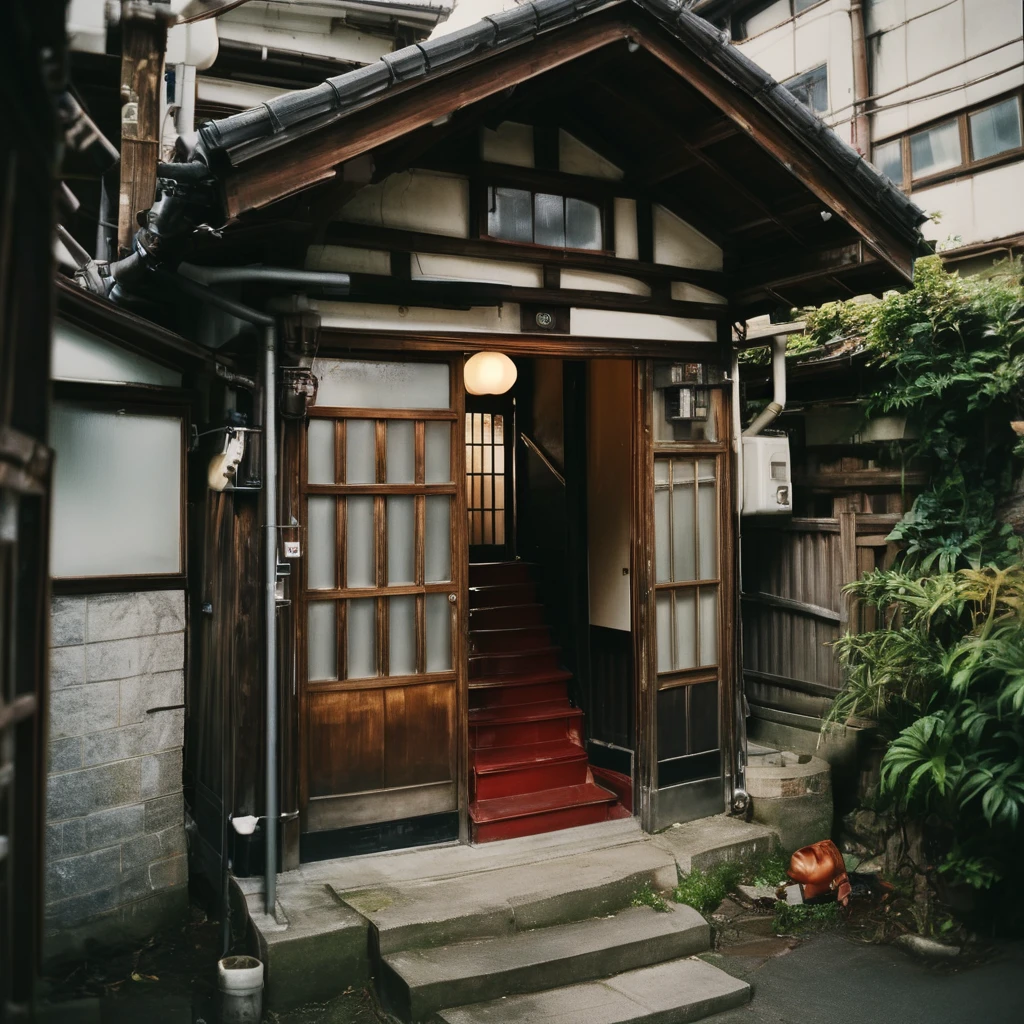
column 489, row 373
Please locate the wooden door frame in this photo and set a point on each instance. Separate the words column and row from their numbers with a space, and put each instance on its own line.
column 293, row 475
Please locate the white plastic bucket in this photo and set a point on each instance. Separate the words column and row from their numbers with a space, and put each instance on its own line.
column 240, row 981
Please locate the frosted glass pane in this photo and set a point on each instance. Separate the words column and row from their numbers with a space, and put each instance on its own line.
column 321, row 550
column 438, row 456
column 663, row 617
column 320, row 452
column 936, row 149
column 439, row 633
column 582, row 224
column 888, row 158
column 322, row 643
column 362, row 638
column 438, row 539
column 509, row 214
column 401, row 538
column 686, row 629
column 359, row 542
column 662, row 565
column 549, row 220
column 116, row 493
column 684, row 516
column 707, row 512
column 360, row 452
column 709, row 625
column 362, row 384
column 401, row 452
column 402, row 641
column 996, row 129
column 78, row 355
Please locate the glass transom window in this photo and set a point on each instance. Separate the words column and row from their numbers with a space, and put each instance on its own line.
column 935, row 149
column 563, row 222
column 995, row 129
column 811, row 89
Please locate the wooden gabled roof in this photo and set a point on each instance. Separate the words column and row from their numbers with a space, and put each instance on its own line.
column 693, row 123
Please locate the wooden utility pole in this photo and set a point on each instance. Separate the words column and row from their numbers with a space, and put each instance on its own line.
column 143, row 42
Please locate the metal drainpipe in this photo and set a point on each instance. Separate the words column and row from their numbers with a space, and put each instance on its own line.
column 773, row 409
column 191, row 279
column 739, row 794
column 861, row 120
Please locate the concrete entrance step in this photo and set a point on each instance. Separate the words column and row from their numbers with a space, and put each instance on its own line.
column 670, row 993
column 485, row 904
column 415, row 983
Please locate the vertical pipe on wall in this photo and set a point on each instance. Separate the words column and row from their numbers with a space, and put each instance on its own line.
column 861, row 120
column 270, row 556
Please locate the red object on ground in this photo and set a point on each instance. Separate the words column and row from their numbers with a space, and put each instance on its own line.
column 528, row 768
column 820, row 869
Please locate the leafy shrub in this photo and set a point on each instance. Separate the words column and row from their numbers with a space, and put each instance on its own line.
column 645, row 896
column 805, row 917
column 705, row 890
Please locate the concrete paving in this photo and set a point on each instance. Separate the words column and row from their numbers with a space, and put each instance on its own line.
column 700, row 845
column 829, row 979
column 417, row 982
column 670, row 993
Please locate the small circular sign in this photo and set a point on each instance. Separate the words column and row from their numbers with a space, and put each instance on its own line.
column 544, row 319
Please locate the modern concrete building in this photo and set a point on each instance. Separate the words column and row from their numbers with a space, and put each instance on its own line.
column 929, row 90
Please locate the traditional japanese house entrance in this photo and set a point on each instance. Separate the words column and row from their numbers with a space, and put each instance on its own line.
column 382, row 672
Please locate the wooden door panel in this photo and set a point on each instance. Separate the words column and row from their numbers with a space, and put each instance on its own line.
column 418, row 733
column 382, row 674
column 346, row 741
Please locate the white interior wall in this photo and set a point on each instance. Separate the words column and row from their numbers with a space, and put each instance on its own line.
column 348, row 259
column 463, row 268
column 609, row 418
column 576, row 158
column 592, row 281
column 610, row 323
column 370, row 316
column 627, row 246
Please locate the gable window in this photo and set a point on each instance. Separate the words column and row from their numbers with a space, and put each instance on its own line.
column 811, row 89
column 563, row 222
column 972, row 139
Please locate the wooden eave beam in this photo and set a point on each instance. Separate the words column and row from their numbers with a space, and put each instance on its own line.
column 397, row 240
column 799, row 159
column 314, row 157
column 463, row 294
column 823, row 264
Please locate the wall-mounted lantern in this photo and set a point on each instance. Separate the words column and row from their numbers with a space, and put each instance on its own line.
column 489, row 373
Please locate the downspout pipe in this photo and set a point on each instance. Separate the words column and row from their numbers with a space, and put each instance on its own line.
column 774, row 408
column 861, row 118
column 739, row 800
column 192, row 279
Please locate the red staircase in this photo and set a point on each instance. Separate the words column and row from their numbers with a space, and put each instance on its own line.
column 529, row 770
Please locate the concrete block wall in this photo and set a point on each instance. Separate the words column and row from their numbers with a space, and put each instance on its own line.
column 116, row 865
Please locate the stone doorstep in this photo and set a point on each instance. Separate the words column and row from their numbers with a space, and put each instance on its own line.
column 416, row 983
column 668, row 993
column 451, row 893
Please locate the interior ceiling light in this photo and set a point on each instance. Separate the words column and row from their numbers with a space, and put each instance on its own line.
column 489, row 373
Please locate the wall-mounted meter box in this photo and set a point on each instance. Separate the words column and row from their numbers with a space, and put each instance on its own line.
column 767, row 477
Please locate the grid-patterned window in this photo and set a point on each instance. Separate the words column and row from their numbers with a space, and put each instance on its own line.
column 563, row 222
column 485, row 477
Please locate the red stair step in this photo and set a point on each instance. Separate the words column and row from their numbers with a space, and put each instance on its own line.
column 507, row 617
column 509, row 640
column 527, row 768
column 509, row 664
column 482, row 574
column 519, row 693
column 545, row 811
column 502, row 596
column 509, row 725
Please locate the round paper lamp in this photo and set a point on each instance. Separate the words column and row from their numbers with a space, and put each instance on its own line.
column 489, row 373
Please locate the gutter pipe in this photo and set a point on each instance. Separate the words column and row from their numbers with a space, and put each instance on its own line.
column 861, row 119
column 772, row 411
column 192, row 279
column 739, row 800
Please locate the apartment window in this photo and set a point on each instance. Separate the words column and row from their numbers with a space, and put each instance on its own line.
column 960, row 144
column 935, row 149
column 995, row 129
column 811, row 89
column 563, row 222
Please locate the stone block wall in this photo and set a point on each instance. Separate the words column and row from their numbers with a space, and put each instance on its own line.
column 116, row 865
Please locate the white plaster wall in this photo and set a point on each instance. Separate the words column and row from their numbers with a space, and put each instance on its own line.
column 593, row 281
column 346, row 258
column 576, row 158
column 415, row 201
column 503, row 319
column 680, row 245
column 683, row 292
column 461, row 268
column 607, row 323
column 509, row 143
column 627, row 246
column 984, row 206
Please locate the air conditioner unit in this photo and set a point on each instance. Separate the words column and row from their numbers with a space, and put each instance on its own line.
column 767, row 477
